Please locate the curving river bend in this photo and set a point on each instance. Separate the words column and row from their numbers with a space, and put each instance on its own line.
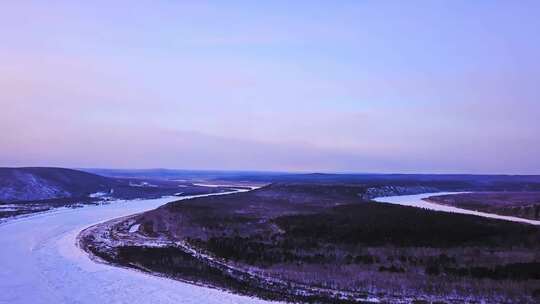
column 40, row 263
column 418, row 201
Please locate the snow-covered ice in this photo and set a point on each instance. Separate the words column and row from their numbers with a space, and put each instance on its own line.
column 418, row 201
column 40, row 263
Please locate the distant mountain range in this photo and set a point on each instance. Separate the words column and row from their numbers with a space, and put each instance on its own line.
column 421, row 182
column 171, row 174
column 44, row 183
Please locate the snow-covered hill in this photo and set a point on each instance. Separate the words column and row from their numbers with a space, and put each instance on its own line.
column 24, row 184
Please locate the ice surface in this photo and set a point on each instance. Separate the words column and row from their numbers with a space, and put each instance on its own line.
column 39, row 263
column 418, row 201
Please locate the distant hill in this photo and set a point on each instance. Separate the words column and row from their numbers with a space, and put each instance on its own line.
column 33, row 183
column 436, row 182
column 42, row 183
column 417, row 183
column 172, row 174
column 45, row 185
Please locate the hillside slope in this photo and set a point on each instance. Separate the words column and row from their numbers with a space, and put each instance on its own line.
column 23, row 184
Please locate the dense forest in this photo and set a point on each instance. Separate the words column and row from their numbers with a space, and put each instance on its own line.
column 330, row 236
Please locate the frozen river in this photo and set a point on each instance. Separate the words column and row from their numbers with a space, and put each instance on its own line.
column 419, row 202
column 39, row 263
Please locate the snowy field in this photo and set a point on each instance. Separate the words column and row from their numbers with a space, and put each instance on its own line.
column 40, row 263
column 419, row 202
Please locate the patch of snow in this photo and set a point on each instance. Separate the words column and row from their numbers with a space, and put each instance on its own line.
column 236, row 186
column 134, row 228
column 12, row 206
column 142, row 184
column 98, row 194
column 419, row 202
column 211, row 185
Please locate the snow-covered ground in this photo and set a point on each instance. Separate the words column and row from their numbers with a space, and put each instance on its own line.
column 209, row 185
column 419, row 202
column 40, row 263
column 134, row 228
column 225, row 185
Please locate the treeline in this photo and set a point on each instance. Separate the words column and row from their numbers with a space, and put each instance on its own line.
column 375, row 224
column 254, row 252
column 515, row 271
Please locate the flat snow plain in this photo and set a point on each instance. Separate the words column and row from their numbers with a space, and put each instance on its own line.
column 40, row 263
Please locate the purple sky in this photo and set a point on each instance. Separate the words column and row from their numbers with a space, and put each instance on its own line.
column 379, row 86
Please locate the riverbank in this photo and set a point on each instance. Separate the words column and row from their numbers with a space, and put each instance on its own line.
column 432, row 201
column 44, row 266
column 324, row 243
